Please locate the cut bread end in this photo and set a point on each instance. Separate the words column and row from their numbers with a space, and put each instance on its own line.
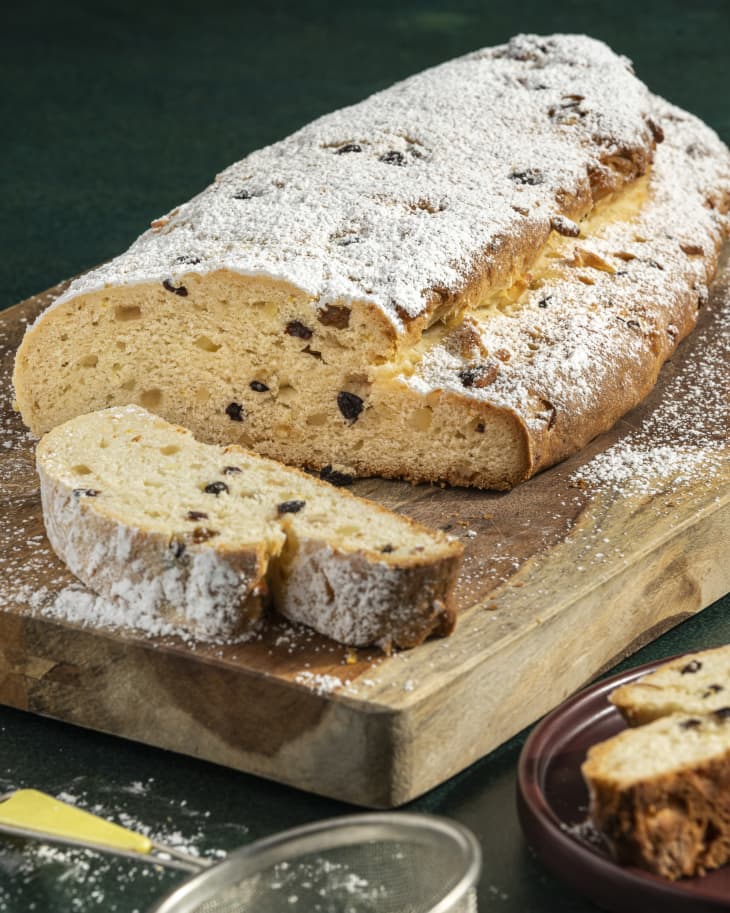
column 207, row 536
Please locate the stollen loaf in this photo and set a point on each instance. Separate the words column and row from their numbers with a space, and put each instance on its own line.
column 463, row 278
column 205, row 538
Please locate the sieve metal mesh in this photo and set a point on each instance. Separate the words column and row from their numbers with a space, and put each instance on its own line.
column 412, row 870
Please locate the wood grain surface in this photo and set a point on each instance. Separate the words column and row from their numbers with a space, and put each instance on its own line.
column 561, row 579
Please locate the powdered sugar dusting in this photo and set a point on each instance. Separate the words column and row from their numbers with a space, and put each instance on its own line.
column 406, row 192
column 81, row 606
column 686, row 437
column 320, row 684
column 583, row 347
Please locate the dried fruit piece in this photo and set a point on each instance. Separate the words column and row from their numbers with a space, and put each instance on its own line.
column 691, row 723
column 564, row 226
column 350, row 405
column 187, row 258
column 229, row 470
column 722, row 713
column 298, row 329
column 196, row 515
column 348, row 147
column 478, row 375
column 387, row 549
column 243, row 195
column 393, row 157
column 175, row 289
column 550, row 414
column 712, row 689
column 235, row 412
column 290, row 507
column 258, row 387
column 86, row 492
column 656, row 130
column 694, row 666
column 335, row 316
column 177, row 547
column 531, row 176
column 693, row 250
column 215, row 488
column 202, row 534
column 335, row 477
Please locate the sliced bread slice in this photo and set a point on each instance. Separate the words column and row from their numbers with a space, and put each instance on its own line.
column 660, row 793
column 696, row 683
column 204, row 537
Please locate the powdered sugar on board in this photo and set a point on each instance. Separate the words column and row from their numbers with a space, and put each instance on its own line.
column 403, row 195
column 687, row 436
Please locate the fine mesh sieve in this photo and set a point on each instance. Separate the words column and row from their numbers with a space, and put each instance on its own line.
column 370, row 863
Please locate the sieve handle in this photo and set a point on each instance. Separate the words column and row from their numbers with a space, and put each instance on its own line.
column 33, row 814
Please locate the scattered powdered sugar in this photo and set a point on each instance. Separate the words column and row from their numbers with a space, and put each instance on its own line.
column 320, row 684
column 397, row 199
column 685, row 438
column 323, row 884
column 585, row 832
column 78, row 879
column 636, row 467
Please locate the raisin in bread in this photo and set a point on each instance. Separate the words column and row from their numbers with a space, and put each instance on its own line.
column 695, row 683
column 200, row 536
column 660, row 793
column 463, row 278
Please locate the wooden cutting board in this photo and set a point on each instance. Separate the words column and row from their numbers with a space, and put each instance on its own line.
column 561, row 579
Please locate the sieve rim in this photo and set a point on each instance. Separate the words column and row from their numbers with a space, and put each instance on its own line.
column 328, row 834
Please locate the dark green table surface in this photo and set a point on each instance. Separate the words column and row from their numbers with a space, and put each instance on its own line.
column 112, row 113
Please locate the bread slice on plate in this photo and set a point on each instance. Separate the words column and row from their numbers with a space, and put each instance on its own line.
column 695, row 683
column 205, row 537
column 660, row 793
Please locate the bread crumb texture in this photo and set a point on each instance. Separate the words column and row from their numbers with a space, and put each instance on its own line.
column 695, row 683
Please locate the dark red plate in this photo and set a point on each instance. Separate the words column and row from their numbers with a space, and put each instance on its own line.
column 552, row 801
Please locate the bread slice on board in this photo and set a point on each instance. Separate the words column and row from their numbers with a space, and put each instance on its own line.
column 660, row 793
column 695, row 683
column 465, row 277
column 205, row 537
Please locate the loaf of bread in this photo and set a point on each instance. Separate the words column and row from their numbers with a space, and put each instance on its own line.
column 660, row 793
column 695, row 683
column 204, row 537
column 465, row 277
